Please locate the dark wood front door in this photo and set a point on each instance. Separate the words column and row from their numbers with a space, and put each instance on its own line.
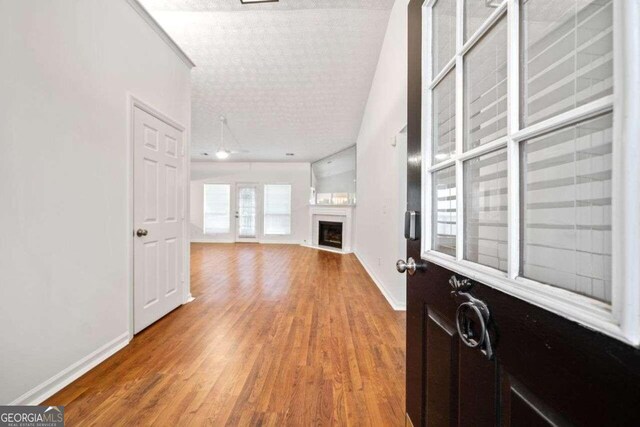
column 543, row 370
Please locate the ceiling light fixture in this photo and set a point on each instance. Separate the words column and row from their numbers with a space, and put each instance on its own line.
column 222, row 154
column 258, row 1
column 289, row 154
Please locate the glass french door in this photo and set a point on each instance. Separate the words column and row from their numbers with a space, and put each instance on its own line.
column 247, row 212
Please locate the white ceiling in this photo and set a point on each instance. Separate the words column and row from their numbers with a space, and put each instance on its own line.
column 292, row 76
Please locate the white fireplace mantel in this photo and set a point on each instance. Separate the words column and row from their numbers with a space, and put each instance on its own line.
column 343, row 214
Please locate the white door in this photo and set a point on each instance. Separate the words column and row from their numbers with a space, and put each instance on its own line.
column 246, row 212
column 157, row 218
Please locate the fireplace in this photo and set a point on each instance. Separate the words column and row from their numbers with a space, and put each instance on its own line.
column 330, row 234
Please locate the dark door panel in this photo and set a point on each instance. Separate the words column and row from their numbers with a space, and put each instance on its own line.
column 442, row 371
column 478, row 381
column 521, row 408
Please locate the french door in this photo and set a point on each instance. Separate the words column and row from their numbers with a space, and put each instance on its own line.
column 247, row 212
column 514, row 307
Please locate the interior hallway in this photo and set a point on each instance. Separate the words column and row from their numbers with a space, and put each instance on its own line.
column 277, row 334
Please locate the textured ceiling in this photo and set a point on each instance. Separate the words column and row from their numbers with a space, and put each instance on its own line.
column 292, row 76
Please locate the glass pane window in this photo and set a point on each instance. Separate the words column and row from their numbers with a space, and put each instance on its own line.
column 444, row 211
column 567, row 54
column 566, row 208
column 485, row 88
column 217, row 208
column 476, row 13
column 555, row 154
column 444, row 120
column 277, row 209
column 443, row 34
column 485, row 209
column 247, row 212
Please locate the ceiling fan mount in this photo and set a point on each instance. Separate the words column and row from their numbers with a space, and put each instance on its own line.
column 222, row 152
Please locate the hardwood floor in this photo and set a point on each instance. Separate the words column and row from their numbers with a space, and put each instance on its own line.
column 277, row 335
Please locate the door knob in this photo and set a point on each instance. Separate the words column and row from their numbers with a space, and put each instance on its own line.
column 141, row 232
column 409, row 266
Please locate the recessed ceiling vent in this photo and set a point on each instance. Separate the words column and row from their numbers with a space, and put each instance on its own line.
column 258, row 1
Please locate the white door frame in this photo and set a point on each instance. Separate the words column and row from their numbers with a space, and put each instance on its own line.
column 132, row 103
column 259, row 212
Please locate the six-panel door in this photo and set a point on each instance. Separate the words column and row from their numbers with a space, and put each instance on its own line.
column 157, row 218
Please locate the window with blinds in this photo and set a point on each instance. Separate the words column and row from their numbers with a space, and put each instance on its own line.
column 485, row 204
column 445, row 211
column 217, row 215
column 532, row 203
column 566, row 208
column 567, row 49
column 277, row 209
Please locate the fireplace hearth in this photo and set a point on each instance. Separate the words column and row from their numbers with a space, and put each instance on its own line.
column 330, row 234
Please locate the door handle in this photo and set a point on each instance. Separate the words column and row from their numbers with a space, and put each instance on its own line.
column 477, row 308
column 410, row 266
column 141, row 232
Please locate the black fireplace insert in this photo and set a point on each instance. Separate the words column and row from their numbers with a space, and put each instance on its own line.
column 330, row 234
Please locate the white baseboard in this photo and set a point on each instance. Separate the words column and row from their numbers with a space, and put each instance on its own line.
column 392, row 302
column 261, row 242
column 43, row 391
column 278, row 242
column 189, row 299
column 323, row 248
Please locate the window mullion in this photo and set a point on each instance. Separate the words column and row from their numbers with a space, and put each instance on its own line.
column 427, row 133
column 459, row 130
column 513, row 148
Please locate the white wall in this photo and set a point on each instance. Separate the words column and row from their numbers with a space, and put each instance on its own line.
column 67, row 66
column 296, row 174
column 378, row 211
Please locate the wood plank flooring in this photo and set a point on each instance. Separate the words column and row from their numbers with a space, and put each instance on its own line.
column 278, row 335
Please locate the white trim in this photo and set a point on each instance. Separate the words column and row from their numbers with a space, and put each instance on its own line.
column 345, row 212
column 442, row 73
column 258, row 242
column 425, row 118
column 155, row 26
column 325, row 248
column 492, row 20
column 513, row 149
column 626, row 177
column 584, row 310
column 134, row 102
column 558, row 121
column 186, row 215
column 48, row 388
column 392, row 302
column 621, row 318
